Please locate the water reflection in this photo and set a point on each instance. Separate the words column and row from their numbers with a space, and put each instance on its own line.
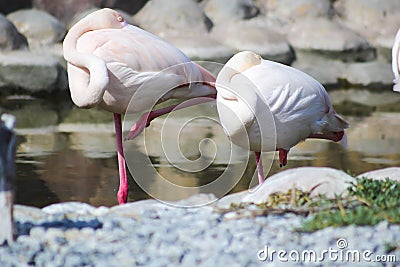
column 69, row 154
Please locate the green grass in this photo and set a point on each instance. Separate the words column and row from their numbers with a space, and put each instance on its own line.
column 368, row 202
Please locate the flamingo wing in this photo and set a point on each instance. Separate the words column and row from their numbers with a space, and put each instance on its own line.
column 299, row 103
column 137, row 59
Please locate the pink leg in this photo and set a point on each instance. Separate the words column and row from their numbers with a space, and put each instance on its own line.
column 283, row 153
column 335, row 137
column 122, row 194
column 147, row 117
column 259, row 167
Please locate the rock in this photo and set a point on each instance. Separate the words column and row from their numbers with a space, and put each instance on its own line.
column 378, row 21
column 65, row 10
column 383, row 40
column 230, row 10
column 368, row 14
column 24, row 214
column 368, row 74
column 163, row 16
column 10, row 6
column 130, row 6
column 244, row 35
column 38, row 26
column 326, row 181
column 184, row 24
column 78, row 208
column 32, row 72
column 329, row 71
column 200, row 47
column 327, row 37
column 302, row 8
column 133, row 209
column 325, row 70
column 10, row 38
column 80, row 15
column 392, row 173
column 237, row 27
column 194, row 201
column 286, row 12
column 225, row 202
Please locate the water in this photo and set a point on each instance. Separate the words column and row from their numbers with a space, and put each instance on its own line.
column 69, row 154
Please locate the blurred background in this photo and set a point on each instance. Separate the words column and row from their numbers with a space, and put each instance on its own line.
column 68, row 154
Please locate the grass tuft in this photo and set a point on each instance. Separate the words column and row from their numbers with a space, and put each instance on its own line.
column 371, row 201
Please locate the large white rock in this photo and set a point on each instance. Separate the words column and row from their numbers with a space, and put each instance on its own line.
column 289, row 11
column 257, row 37
column 220, row 11
column 376, row 20
column 38, row 26
column 328, row 37
column 392, row 173
column 330, row 71
column 368, row 73
column 184, row 24
column 326, row 181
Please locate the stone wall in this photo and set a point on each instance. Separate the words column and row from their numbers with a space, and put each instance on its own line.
column 340, row 42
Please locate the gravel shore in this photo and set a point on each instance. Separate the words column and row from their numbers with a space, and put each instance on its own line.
column 149, row 233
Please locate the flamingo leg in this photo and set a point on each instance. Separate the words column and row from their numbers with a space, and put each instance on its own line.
column 122, row 194
column 283, row 153
column 146, row 118
column 259, row 168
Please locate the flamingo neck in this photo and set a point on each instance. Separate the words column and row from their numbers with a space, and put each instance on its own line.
column 236, row 96
column 92, row 93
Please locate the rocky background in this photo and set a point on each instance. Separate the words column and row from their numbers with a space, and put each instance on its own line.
column 339, row 42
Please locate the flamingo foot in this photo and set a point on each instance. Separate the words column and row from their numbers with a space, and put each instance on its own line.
column 122, row 194
column 283, row 153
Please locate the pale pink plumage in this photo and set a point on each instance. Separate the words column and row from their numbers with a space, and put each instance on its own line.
column 396, row 62
column 108, row 60
column 256, row 97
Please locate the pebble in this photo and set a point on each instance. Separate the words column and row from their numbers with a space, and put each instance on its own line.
column 172, row 236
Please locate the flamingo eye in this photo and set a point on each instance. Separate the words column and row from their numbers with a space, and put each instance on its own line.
column 120, row 19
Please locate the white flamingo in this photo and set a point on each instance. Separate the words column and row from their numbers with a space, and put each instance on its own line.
column 257, row 96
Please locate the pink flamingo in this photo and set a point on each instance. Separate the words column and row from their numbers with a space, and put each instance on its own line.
column 108, row 60
column 267, row 106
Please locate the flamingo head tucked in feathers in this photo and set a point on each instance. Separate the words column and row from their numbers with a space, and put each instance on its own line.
column 237, row 64
column 106, row 18
column 243, row 61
